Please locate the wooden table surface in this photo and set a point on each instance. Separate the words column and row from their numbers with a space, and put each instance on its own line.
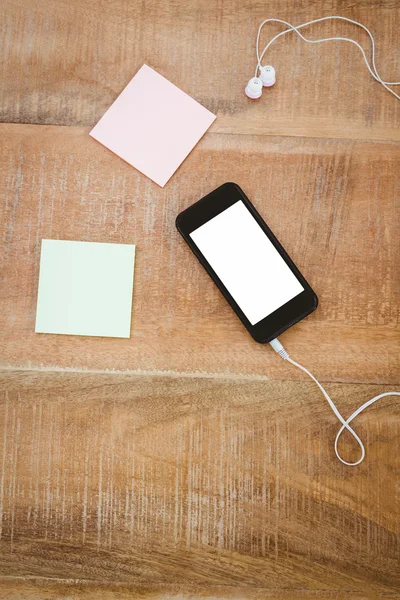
column 189, row 461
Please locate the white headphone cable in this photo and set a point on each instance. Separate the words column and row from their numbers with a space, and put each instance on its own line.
column 373, row 71
column 277, row 346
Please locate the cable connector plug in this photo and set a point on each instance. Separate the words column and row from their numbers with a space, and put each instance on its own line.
column 277, row 346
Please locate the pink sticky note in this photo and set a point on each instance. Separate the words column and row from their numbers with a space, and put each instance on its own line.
column 153, row 125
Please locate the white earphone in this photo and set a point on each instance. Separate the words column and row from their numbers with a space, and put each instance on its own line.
column 254, row 88
column 266, row 79
column 265, row 75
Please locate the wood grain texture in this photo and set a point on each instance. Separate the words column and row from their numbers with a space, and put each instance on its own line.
column 339, row 221
column 207, row 474
column 137, row 480
column 65, row 62
column 42, row 589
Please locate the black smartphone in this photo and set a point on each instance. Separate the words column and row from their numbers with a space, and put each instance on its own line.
column 248, row 264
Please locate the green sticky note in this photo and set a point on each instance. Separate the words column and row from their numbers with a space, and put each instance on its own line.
column 85, row 288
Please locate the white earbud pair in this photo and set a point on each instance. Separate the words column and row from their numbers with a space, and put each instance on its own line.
column 266, row 79
column 265, row 76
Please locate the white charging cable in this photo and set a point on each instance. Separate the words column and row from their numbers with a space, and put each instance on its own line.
column 277, row 346
column 372, row 69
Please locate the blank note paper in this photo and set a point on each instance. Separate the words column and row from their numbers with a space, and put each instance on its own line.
column 85, row 288
column 153, row 125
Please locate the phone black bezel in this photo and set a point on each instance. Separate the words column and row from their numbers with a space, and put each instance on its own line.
column 284, row 317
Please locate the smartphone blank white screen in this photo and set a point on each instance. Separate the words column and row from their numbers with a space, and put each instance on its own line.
column 246, row 262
